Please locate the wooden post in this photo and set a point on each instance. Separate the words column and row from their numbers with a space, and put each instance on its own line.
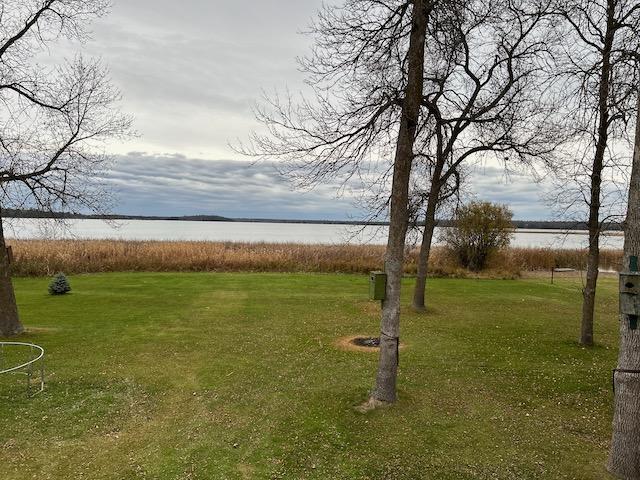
column 10, row 254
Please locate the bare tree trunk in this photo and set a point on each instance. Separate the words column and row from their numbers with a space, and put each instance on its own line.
column 9, row 321
column 624, row 456
column 593, row 261
column 385, row 388
column 589, row 290
column 425, row 249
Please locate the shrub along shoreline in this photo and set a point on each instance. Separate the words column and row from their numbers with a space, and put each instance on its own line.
column 47, row 257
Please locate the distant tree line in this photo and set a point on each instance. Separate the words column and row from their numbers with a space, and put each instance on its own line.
column 523, row 224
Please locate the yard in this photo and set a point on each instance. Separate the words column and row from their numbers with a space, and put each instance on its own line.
column 237, row 375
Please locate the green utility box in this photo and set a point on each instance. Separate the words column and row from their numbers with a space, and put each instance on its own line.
column 377, row 285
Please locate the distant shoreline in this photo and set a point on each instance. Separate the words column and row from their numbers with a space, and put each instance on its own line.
column 519, row 224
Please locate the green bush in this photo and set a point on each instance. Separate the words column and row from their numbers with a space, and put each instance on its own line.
column 59, row 285
column 481, row 229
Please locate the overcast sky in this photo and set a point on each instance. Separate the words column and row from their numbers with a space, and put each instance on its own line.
column 189, row 72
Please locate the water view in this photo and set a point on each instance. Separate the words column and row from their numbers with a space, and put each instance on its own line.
column 266, row 232
column 177, row 343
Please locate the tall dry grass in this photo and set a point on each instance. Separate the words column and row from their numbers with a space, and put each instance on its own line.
column 36, row 257
column 46, row 257
column 532, row 259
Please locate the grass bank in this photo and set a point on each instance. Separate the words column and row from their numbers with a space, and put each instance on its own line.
column 236, row 376
column 37, row 258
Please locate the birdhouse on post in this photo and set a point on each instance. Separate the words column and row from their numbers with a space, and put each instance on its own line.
column 630, row 293
column 377, row 285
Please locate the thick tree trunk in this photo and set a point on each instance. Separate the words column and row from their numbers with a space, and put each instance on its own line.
column 624, row 456
column 385, row 388
column 419, row 291
column 589, row 292
column 9, row 321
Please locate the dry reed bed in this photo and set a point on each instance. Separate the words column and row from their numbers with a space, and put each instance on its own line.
column 46, row 257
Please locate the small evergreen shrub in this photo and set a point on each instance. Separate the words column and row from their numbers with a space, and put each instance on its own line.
column 59, row 285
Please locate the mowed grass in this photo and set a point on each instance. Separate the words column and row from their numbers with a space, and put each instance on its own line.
column 234, row 376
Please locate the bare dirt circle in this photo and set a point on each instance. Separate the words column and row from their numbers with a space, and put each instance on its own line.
column 360, row 343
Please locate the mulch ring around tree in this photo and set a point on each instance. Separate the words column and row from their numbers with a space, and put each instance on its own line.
column 360, row 343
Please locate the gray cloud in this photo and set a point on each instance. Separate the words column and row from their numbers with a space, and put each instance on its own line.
column 174, row 184
column 177, row 185
column 189, row 71
column 518, row 190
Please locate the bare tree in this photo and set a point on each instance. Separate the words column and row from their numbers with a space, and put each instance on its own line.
column 595, row 75
column 366, row 76
column 624, row 456
column 484, row 94
column 374, row 199
column 385, row 388
column 54, row 121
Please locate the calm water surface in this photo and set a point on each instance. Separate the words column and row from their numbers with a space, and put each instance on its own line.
column 263, row 232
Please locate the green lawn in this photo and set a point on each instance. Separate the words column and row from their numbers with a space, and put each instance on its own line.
column 216, row 376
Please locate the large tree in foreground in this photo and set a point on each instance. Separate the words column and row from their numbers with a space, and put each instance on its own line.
column 53, row 121
column 624, row 457
column 485, row 97
column 596, row 80
column 385, row 388
column 361, row 122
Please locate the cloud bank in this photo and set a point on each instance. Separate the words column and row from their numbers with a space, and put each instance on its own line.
column 189, row 72
column 174, row 184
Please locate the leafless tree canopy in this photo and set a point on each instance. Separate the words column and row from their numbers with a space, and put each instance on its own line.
column 482, row 94
column 53, row 120
column 596, row 34
column 484, row 90
column 484, row 85
column 356, row 74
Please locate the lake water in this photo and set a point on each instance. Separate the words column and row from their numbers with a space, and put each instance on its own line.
column 263, row 232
